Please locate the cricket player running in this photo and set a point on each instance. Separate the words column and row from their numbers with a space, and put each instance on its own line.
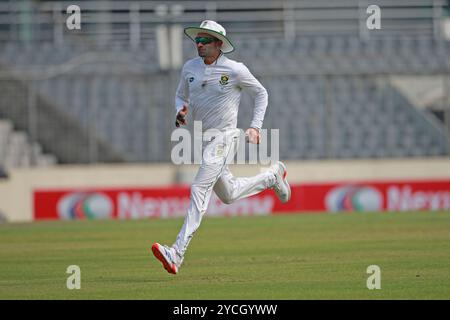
column 211, row 86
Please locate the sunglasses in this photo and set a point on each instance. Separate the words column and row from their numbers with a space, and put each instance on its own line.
column 204, row 40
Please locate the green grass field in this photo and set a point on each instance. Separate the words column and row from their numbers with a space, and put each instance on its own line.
column 301, row 256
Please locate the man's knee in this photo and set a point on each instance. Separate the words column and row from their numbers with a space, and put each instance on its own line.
column 228, row 200
column 226, row 197
column 226, row 190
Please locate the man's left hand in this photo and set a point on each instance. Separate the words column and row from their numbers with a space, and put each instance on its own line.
column 252, row 135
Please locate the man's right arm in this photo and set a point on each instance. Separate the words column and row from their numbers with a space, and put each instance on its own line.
column 182, row 94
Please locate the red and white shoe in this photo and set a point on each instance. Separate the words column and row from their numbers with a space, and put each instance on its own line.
column 167, row 256
column 281, row 186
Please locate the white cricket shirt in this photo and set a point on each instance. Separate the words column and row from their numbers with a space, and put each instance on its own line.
column 213, row 92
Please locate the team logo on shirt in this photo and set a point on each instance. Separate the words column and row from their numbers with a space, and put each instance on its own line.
column 224, row 79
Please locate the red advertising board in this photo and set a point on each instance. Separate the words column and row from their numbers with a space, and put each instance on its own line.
column 375, row 196
column 132, row 203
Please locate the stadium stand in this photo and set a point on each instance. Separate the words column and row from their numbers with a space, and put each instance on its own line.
column 58, row 133
column 329, row 81
column 17, row 151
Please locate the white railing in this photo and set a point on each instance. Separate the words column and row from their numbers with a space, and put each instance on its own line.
column 136, row 20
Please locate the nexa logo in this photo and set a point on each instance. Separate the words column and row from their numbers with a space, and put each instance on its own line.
column 354, row 198
column 82, row 205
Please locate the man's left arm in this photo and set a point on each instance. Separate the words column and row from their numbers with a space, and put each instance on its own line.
column 249, row 83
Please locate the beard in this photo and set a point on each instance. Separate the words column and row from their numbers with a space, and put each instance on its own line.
column 202, row 53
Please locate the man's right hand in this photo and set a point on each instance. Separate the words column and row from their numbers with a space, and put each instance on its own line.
column 181, row 117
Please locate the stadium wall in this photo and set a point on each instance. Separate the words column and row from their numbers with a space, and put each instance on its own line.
column 17, row 191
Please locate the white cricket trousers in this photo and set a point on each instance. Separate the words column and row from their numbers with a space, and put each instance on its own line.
column 214, row 174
